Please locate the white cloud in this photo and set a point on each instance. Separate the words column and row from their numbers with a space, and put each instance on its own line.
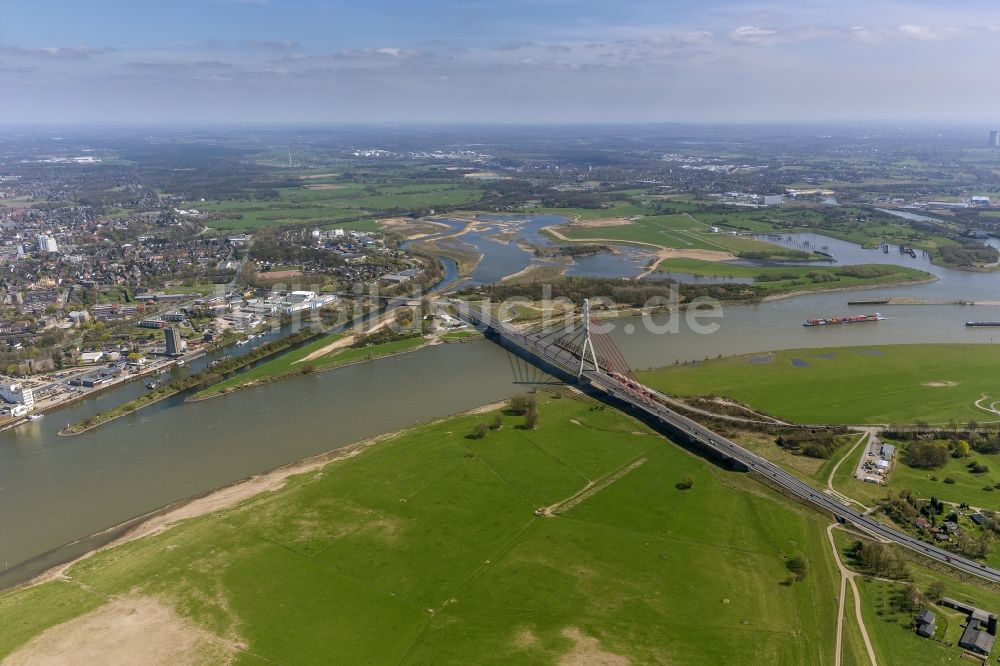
column 751, row 34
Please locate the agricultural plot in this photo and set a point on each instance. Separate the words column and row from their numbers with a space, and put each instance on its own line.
column 338, row 205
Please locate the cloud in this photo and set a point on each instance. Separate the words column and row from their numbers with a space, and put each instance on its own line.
column 751, row 34
column 78, row 52
column 271, row 45
column 382, row 53
column 515, row 45
column 908, row 32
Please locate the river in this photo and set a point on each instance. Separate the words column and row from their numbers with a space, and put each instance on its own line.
column 57, row 490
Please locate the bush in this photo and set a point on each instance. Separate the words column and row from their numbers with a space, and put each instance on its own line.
column 797, row 565
column 479, row 430
column 521, row 403
column 531, row 418
column 686, row 484
column 950, row 480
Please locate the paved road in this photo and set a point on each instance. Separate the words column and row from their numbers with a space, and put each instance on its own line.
column 695, row 432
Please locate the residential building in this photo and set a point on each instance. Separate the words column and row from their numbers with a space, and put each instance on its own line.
column 46, row 243
column 926, row 623
column 175, row 344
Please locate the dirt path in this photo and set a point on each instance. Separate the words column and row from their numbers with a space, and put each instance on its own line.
column 992, row 408
column 829, row 481
column 847, row 578
column 589, row 490
column 345, row 341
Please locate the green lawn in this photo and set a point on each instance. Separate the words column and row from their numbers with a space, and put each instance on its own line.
column 461, row 335
column 885, row 384
column 426, row 549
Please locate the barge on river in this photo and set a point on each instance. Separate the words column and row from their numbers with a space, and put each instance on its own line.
column 852, row 319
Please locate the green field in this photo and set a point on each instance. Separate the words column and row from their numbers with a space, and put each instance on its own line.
column 680, row 231
column 426, row 549
column 884, row 384
column 789, row 278
column 292, row 363
column 329, row 207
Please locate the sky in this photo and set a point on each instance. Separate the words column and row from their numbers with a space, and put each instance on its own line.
column 498, row 61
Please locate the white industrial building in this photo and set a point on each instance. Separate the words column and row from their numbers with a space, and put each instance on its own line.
column 17, row 393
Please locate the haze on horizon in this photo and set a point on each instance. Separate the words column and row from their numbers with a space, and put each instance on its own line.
column 490, row 61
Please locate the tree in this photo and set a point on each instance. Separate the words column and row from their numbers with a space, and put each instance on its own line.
column 521, row 403
column 914, row 597
column 531, row 418
column 497, row 422
column 797, row 565
column 961, row 449
column 936, row 590
column 479, row 430
column 926, row 455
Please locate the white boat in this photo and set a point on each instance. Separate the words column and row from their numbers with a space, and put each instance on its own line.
column 36, row 417
column 180, row 363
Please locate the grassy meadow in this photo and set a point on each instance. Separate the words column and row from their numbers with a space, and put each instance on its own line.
column 785, row 278
column 882, row 384
column 426, row 549
column 680, row 231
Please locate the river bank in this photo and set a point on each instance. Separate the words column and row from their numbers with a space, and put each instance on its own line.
column 229, row 495
column 372, row 354
column 804, row 292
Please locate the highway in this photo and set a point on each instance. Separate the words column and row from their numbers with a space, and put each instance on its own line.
column 638, row 400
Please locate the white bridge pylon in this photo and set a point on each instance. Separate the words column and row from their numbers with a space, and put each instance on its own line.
column 588, row 343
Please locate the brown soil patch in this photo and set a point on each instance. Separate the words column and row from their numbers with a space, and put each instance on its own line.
column 279, row 275
column 134, row 630
column 525, row 638
column 587, row 651
column 944, row 383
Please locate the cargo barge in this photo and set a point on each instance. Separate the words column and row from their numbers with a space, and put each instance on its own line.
column 982, row 323
column 852, row 319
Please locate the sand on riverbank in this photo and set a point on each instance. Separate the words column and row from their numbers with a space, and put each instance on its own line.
column 232, row 494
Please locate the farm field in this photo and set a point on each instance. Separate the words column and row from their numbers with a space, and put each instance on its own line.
column 426, row 548
column 883, row 384
column 341, row 205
